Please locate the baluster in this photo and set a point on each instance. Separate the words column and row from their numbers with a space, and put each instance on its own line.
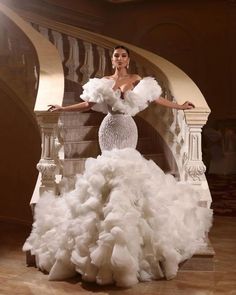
column 88, row 67
column 44, row 32
column 58, row 42
column 73, row 61
column 182, row 146
column 102, row 62
column 173, row 132
column 108, row 66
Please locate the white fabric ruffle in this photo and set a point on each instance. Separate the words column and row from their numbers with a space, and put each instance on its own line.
column 125, row 222
column 100, row 91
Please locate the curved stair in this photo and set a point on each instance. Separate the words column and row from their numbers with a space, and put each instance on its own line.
column 79, row 134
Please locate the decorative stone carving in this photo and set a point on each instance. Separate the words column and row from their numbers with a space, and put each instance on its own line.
column 48, row 164
column 47, row 168
column 194, row 166
column 195, row 170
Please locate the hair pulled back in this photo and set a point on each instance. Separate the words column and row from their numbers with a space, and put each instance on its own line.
column 121, row 47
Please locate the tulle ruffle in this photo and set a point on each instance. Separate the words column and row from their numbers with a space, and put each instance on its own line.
column 100, row 91
column 126, row 221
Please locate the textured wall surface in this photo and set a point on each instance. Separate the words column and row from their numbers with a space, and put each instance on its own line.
column 19, row 154
column 199, row 37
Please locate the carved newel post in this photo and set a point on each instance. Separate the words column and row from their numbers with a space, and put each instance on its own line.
column 48, row 163
column 194, row 166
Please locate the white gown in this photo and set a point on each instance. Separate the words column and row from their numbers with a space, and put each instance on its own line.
column 126, row 221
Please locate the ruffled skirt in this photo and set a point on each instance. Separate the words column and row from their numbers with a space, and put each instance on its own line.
column 126, row 221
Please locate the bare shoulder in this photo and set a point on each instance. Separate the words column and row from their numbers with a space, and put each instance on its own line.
column 108, row 77
column 136, row 77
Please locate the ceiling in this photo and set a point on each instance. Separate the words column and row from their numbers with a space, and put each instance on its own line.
column 122, row 1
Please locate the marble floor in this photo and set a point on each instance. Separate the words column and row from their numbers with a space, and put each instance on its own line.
column 17, row 279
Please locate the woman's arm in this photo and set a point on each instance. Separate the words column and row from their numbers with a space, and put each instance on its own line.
column 164, row 102
column 82, row 106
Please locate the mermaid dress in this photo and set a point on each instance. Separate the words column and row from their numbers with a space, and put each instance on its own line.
column 126, row 220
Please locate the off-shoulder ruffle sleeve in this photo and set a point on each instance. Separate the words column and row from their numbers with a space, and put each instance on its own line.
column 100, row 92
column 97, row 90
column 138, row 99
column 148, row 88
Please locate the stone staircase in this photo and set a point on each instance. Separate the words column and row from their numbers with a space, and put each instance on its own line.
column 78, row 131
column 79, row 135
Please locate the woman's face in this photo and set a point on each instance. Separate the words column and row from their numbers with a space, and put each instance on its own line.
column 120, row 58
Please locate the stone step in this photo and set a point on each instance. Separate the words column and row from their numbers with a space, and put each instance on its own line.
column 146, row 145
column 159, row 159
column 81, row 149
column 90, row 147
column 75, row 134
column 77, row 119
column 202, row 260
column 72, row 167
column 87, row 132
column 76, row 165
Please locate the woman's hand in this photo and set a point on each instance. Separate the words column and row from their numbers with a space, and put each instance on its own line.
column 170, row 104
column 55, row 108
column 187, row 106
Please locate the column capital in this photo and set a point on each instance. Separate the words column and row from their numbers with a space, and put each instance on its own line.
column 196, row 116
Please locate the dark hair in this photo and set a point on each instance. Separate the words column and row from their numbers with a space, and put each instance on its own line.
column 121, row 47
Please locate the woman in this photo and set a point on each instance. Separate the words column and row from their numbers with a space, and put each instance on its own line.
column 126, row 221
column 123, row 82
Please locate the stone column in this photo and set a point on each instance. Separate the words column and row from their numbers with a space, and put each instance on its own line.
column 48, row 163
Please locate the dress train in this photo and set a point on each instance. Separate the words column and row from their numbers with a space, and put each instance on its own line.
column 126, row 221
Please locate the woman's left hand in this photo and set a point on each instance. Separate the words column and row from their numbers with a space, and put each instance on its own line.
column 55, row 108
column 187, row 106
